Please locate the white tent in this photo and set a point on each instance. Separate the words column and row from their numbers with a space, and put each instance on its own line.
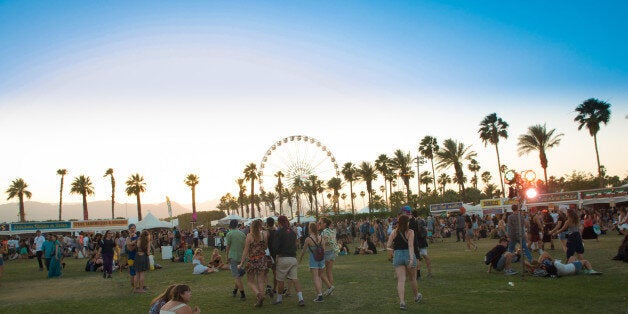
column 150, row 222
column 304, row 219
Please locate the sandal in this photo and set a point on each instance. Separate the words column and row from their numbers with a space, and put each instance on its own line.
column 260, row 299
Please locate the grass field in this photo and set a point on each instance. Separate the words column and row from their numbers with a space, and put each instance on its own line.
column 364, row 284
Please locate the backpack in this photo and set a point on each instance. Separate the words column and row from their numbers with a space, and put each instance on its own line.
column 319, row 253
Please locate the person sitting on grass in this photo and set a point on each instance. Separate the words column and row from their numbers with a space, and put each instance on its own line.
column 367, row 247
column 198, row 262
column 216, row 260
column 178, row 304
column 499, row 258
column 344, row 249
column 160, row 300
column 188, row 255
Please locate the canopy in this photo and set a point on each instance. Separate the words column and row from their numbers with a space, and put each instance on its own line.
column 303, row 219
column 152, row 222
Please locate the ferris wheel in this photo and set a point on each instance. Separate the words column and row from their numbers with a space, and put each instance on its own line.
column 296, row 156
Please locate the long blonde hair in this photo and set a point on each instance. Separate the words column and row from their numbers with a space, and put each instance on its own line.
column 311, row 228
column 144, row 241
column 256, row 228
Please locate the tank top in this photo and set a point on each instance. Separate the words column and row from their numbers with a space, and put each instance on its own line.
column 399, row 243
column 172, row 310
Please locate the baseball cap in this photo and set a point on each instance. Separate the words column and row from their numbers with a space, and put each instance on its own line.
column 406, row 210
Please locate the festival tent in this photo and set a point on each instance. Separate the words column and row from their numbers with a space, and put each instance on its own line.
column 152, row 222
column 304, row 219
column 226, row 220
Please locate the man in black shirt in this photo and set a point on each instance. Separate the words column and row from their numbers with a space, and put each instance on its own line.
column 498, row 258
column 285, row 248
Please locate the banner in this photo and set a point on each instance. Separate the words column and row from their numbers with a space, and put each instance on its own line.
column 491, row 202
column 25, row 226
column 446, row 206
column 100, row 223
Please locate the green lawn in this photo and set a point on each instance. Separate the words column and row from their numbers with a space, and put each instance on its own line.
column 364, row 284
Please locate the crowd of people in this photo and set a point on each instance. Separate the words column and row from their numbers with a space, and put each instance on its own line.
column 275, row 248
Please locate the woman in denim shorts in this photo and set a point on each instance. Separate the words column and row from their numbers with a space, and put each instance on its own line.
column 401, row 240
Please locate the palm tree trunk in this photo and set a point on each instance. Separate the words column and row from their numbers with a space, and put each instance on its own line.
column 22, row 214
column 139, row 207
column 252, row 198
column 433, row 174
column 385, row 193
column 316, row 202
column 60, row 197
column 351, row 196
column 85, row 212
column 113, row 196
column 599, row 167
column 499, row 170
column 193, row 200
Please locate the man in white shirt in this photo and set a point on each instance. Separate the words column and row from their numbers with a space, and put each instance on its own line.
column 39, row 241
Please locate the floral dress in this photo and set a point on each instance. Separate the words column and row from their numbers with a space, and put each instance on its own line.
column 257, row 259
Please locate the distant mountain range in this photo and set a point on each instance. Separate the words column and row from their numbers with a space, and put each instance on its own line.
column 36, row 211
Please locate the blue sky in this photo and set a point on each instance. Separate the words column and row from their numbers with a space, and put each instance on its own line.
column 137, row 86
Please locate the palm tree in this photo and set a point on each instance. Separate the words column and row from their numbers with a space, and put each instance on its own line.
column 83, row 185
column 382, row 164
column 335, row 184
column 315, row 188
column 349, row 173
column 443, row 179
column 539, row 139
column 401, row 163
column 298, row 188
column 363, row 194
column 135, row 185
column 192, row 180
column 591, row 113
column 278, row 189
column 109, row 172
column 460, row 182
column 491, row 129
column 453, row 154
column 428, row 147
column 250, row 174
column 474, row 167
column 426, row 179
column 242, row 196
column 62, row 173
column 320, row 188
column 19, row 188
column 486, row 177
column 368, row 175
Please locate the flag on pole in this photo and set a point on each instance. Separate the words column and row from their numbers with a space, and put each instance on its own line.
column 169, row 206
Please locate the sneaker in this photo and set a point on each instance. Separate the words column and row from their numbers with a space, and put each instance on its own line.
column 242, row 298
column 301, row 303
column 234, row 293
column 319, row 299
column 510, row 272
column 594, row 272
column 402, row 306
column 586, row 271
column 277, row 302
column 329, row 291
column 418, row 298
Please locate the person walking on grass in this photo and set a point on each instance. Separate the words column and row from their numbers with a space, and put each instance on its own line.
column 39, row 242
column 142, row 263
column 131, row 249
column 285, row 246
column 313, row 242
column 329, row 237
column 235, row 246
column 515, row 223
column 254, row 255
column 469, row 236
column 574, row 239
column 401, row 244
column 106, row 249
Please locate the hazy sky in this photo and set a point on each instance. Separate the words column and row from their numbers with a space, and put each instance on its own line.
column 177, row 87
